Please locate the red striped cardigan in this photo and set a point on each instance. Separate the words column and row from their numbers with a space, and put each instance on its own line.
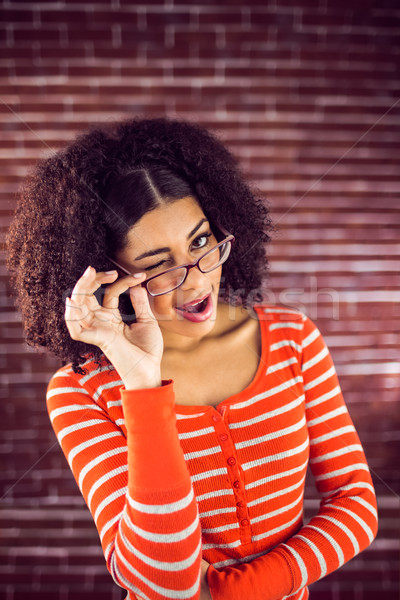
column 167, row 484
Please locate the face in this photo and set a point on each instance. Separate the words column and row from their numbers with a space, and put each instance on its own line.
column 173, row 234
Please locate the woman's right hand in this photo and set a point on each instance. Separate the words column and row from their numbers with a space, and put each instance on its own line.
column 134, row 350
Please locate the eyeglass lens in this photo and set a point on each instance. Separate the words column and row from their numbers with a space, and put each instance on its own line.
column 169, row 281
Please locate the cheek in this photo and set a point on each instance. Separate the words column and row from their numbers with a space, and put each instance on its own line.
column 160, row 305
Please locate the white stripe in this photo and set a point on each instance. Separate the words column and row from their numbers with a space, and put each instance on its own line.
column 163, row 538
column 77, row 426
column 161, row 509
column 280, row 456
column 106, row 386
column 333, row 434
column 206, row 452
column 270, row 414
column 120, row 422
column 301, row 565
column 317, row 552
column 180, row 416
column 343, row 471
column 272, row 392
column 164, row 592
column 214, row 494
column 366, row 505
column 198, row 432
column 127, row 585
column 170, row 567
column 238, row 561
column 231, row 545
column 359, row 520
column 291, row 595
column 272, row 436
column 315, row 360
column 331, row 394
column 108, row 525
column 329, row 415
column 98, row 460
column 277, row 494
column 104, row 479
column 336, row 453
column 66, row 390
column 255, row 538
column 350, row 486
column 285, row 326
column 281, row 365
column 310, row 338
column 95, row 440
column 344, row 528
column 279, row 511
column 91, row 374
column 108, row 500
column 283, row 343
column 330, row 539
column 222, row 528
column 217, row 511
column 212, row 473
column 73, row 408
column 112, row 403
column 276, row 476
column 284, row 310
column 321, row 379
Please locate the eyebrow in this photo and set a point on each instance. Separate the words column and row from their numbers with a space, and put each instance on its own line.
column 167, row 249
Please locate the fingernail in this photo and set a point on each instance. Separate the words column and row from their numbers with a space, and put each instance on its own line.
column 87, row 271
column 110, row 272
column 138, row 275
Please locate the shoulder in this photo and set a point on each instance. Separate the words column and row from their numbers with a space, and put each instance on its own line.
column 91, row 382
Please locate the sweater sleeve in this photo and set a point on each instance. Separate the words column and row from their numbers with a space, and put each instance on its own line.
column 138, row 488
column 346, row 522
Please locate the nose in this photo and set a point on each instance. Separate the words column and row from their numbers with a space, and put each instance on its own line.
column 196, row 280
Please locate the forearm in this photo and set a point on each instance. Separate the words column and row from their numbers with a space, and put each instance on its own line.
column 141, row 496
column 158, row 547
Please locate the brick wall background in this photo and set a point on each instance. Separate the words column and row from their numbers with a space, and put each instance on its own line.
column 307, row 94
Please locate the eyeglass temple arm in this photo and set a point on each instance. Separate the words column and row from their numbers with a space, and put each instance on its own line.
column 118, row 265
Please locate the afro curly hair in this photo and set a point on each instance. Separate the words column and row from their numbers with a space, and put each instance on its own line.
column 62, row 219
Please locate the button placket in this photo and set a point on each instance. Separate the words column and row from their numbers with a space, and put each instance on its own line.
column 234, row 474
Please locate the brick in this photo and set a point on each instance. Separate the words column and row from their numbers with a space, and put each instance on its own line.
column 160, row 20
column 29, row 35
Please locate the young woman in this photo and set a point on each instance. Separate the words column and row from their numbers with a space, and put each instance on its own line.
column 188, row 409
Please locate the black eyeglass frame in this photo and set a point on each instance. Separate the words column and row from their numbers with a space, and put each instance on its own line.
column 230, row 238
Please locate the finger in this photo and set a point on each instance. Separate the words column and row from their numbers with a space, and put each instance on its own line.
column 88, row 283
column 73, row 317
column 141, row 304
column 113, row 291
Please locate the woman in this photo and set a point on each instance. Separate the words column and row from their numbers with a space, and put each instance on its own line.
column 188, row 410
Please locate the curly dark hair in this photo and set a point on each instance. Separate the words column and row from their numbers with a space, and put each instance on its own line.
column 70, row 210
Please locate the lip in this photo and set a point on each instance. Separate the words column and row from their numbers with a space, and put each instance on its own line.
column 197, row 317
column 192, row 302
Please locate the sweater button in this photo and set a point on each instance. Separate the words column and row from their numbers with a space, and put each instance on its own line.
column 244, row 522
column 239, row 504
column 236, row 484
column 223, row 437
column 231, row 461
column 215, row 418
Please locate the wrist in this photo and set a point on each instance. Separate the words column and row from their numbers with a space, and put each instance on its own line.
column 136, row 383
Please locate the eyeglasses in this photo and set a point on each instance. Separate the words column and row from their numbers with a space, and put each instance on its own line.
column 169, row 280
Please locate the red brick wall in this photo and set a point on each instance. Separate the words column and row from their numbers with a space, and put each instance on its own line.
column 307, row 94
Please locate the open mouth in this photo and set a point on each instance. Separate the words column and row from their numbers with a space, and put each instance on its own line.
column 198, row 310
column 198, row 307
